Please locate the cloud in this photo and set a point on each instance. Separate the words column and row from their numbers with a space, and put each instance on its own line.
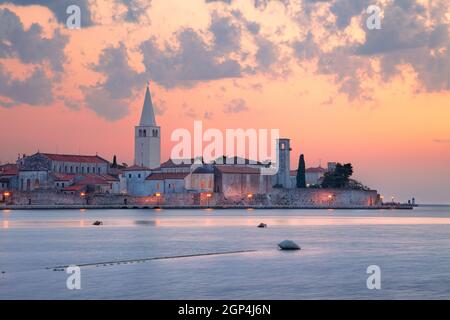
column 135, row 8
column 189, row 111
column 160, row 107
column 108, row 98
column 208, row 115
column 121, row 79
column 59, row 7
column 235, row 106
column 267, row 53
column 306, row 49
column 103, row 104
column 411, row 34
column 34, row 90
column 29, row 45
column 191, row 61
column 227, row 35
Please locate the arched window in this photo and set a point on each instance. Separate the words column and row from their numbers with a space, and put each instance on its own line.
column 145, row 133
column 155, row 133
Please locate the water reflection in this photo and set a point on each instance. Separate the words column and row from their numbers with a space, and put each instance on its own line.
column 205, row 219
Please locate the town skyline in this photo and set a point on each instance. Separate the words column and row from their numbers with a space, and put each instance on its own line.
column 85, row 96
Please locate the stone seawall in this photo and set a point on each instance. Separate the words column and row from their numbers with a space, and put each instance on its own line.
column 289, row 198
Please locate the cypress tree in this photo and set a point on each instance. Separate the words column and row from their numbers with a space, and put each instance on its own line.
column 114, row 164
column 301, row 172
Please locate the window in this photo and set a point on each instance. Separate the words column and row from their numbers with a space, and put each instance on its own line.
column 155, row 132
column 88, row 170
column 82, row 169
column 71, row 169
column 139, row 175
column 129, row 176
column 98, row 170
column 283, row 146
column 145, row 133
column 76, row 169
column 62, row 184
column 65, row 169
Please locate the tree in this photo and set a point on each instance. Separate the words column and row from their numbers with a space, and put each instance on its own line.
column 301, row 172
column 114, row 164
column 339, row 178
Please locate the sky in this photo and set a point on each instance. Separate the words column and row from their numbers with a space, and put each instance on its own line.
column 378, row 98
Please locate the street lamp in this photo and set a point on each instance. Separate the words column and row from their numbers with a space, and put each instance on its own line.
column 6, row 195
column 157, row 195
column 208, row 196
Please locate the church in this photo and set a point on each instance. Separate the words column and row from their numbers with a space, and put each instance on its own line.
column 149, row 177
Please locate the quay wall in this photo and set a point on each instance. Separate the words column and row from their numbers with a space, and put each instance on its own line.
column 277, row 197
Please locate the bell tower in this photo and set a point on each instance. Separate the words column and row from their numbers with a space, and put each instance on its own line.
column 147, row 137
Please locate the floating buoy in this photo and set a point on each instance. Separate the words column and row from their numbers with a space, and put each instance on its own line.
column 288, row 245
column 262, row 225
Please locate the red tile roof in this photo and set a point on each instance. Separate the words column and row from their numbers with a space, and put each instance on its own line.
column 233, row 169
column 75, row 158
column 95, row 179
column 74, row 187
column 136, row 168
column 9, row 169
column 170, row 164
column 63, row 176
column 167, row 175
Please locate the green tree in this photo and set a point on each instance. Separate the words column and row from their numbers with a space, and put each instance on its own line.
column 339, row 178
column 301, row 172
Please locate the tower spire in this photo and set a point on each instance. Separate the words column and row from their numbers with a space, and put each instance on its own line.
column 147, row 115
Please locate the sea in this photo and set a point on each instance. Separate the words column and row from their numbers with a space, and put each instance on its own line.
column 222, row 254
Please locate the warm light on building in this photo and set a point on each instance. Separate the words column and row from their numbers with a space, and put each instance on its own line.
column 82, row 194
column 6, row 193
column 208, row 195
column 158, row 194
column 250, row 195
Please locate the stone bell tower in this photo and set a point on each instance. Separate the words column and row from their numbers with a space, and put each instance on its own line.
column 147, row 137
column 282, row 178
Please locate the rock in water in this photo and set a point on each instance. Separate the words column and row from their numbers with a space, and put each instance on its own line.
column 262, row 225
column 288, row 245
column 98, row 223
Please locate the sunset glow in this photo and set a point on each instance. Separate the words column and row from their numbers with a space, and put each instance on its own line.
column 329, row 84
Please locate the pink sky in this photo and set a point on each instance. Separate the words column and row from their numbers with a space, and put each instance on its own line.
column 386, row 112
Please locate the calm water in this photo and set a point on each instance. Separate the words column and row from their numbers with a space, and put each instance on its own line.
column 412, row 248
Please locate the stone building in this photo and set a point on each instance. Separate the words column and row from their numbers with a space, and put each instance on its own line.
column 201, row 179
column 8, row 177
column 234, row 180
column 134, row 180
column 165, row 182
column 147, row 137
